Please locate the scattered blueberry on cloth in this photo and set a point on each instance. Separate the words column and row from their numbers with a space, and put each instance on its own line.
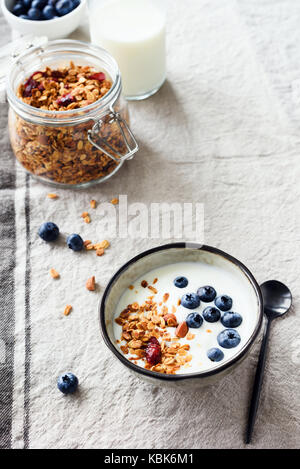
column 75, row 242
column 49, row 232
column 67, row 383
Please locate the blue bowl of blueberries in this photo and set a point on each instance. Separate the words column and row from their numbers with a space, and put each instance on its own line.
column 52, row 18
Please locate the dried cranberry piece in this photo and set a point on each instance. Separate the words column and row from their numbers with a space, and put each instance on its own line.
column 98, row 76
column 65, row 100
column 29, row 86
column 153, row 351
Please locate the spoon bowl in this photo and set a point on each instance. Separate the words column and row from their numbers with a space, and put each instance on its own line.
column 277, row 298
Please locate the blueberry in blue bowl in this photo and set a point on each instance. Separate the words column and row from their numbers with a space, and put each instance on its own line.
column 39, row 10
column 67, row 383
column 231, row 319
column 190, row 300
column 223, row 302
column 211, row 314
column 49, row 12
column 35, row 14
column 194, row 320
column 39, row 4
column 63, row 7
column 49, row 232
column 181, row 282
column 215, row 354
column 229, row 338
column 19, row 9
column 75, row 242
column 207, row 294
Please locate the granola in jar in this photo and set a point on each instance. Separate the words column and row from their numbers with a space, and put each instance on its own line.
column 69, row 124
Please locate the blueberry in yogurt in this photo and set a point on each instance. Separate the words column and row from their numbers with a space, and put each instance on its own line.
column 194, row 320
column 190, row 300
column 231, row 319
column 207, row 294
column 181, row 282
column 211, row 314
column 223, row 302
column 49, row 232
column 229, row 338
column 215, row 354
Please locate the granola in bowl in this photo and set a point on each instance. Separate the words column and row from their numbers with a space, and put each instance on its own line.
column 68, row 123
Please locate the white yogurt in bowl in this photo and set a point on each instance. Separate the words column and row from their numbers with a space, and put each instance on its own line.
column 165, row 297
column 146, row 283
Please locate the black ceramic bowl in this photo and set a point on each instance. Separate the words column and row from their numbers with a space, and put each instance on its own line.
column 164, row 255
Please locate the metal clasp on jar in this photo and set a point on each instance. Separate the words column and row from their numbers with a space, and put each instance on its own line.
column 95, row 133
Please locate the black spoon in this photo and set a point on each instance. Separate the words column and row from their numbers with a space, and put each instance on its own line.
column 277, row 301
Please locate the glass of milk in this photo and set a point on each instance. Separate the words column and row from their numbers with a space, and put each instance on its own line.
column 134, row 32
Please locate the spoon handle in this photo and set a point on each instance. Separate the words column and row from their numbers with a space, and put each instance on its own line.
column 258, row 382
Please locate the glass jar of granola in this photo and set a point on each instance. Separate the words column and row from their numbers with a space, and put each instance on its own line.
column 68, row 122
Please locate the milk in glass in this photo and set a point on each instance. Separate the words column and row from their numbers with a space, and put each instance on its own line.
column 134, row 32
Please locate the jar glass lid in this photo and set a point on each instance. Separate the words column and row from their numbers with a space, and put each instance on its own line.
column 11, row 51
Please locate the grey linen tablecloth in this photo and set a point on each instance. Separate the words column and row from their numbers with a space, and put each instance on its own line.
column 224, row 131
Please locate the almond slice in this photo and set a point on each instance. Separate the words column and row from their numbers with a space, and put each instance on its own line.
column 182, row 330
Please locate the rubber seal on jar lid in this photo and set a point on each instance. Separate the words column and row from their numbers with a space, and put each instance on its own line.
column 11, row 51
